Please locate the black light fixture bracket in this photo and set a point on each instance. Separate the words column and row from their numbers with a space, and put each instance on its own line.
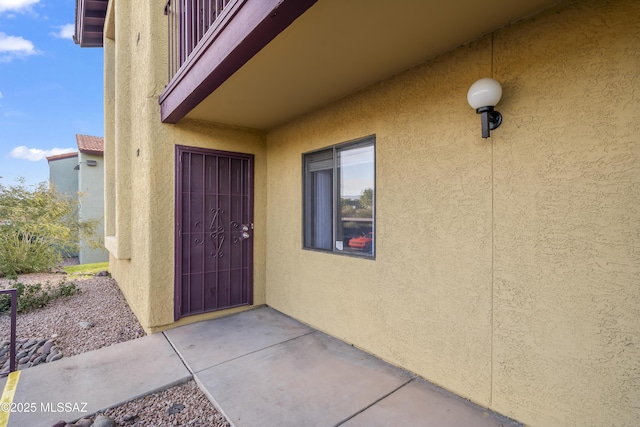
column 491, row 119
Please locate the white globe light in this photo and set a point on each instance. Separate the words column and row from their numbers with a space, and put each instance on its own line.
column 484, row 93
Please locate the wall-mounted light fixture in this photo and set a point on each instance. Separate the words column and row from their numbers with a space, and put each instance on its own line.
column 483, row 95
column 88, row 162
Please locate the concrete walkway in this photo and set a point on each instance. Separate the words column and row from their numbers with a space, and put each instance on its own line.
column 260, row 368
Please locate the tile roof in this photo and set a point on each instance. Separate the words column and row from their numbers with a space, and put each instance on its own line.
column 90, row 144
column 62, row 156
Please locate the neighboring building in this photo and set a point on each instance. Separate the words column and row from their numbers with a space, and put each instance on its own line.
column 81, row 174
column 320, row 157
column 91, row 189
column 65, row 180
column 61, row 173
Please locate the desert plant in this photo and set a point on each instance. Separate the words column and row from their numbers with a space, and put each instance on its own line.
column 36, row 295
column 36, row 226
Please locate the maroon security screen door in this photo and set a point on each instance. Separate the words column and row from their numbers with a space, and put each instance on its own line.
column 214, row 230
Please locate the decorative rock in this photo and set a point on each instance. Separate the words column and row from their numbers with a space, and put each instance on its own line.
column 102, row 421
column 59, row 424
column 129, row 417
column 29, row 352
column 85, row 325
column 103, row 273
column 46, row 347
column 55, row 357
column 176, row 408
column 29, row 343
column 32, row 350
column 83, row 422
column 52, row 353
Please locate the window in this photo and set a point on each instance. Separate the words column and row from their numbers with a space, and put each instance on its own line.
column 339, row 198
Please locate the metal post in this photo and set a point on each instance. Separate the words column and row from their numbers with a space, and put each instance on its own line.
column 14, row 315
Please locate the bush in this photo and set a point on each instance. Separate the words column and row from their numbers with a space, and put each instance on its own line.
column 36, row 295
column 36, row 227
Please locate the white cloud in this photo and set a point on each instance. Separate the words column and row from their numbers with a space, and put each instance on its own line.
column 36, row 154
column 65, row 31
column 12, row 47
column 16, row 5
column 1, row 95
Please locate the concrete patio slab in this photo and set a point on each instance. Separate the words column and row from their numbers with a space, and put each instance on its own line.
column 420, row 403
column 313, row 380
column 260, row 368
column 206, row 344
column 73, row 387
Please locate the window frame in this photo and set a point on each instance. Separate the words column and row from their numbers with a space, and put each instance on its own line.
column 367, row 141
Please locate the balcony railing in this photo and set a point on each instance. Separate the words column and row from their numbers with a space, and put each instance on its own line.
column 189, row 21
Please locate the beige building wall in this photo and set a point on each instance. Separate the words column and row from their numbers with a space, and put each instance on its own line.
column 507, row 270
column 140, row 183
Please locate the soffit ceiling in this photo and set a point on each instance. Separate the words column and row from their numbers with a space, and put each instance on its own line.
column 338, row 47
column 90, row 16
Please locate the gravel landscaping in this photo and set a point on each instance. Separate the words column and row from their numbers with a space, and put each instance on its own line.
column 98, row 317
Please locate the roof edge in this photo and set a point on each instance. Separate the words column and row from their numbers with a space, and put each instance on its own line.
column 62, row 156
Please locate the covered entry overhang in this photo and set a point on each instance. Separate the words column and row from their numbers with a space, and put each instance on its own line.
column 89, row 25
column 329, row 49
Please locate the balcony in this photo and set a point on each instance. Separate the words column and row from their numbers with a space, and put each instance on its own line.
column 189, row 21
column 262, row 63
column 209, row 40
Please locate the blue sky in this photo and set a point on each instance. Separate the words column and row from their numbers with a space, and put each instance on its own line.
column 50, row 88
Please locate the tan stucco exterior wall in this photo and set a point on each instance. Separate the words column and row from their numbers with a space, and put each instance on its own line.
column 507, row 269
column 567, row 218
column 140, row 185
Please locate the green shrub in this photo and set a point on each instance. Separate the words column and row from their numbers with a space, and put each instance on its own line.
column 37, row 226
column 33, row 296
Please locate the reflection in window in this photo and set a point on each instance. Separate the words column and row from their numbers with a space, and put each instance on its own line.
column 339, row 198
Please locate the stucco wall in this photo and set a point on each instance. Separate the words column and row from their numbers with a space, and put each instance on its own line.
column 91, row 188
column 141, row 187
column 507, row 270
column 64, row 178
column 567, row 218
column 62, row 175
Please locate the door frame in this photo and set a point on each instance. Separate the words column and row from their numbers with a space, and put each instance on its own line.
column 180, row 150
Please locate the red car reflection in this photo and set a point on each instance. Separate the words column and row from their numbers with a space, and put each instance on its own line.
column 362, row 243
